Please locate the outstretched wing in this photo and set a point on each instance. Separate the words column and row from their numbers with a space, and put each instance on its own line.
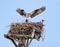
column 37, row 11
column 21, row 11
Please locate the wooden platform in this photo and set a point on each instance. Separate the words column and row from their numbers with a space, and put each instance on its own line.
column 17, row 36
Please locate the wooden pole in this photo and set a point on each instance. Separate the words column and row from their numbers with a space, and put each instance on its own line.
column 22, row 42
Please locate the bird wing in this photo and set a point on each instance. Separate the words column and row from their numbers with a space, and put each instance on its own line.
column 21, row 12
column 37, row 11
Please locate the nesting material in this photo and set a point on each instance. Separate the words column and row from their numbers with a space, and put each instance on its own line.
column 27, row 29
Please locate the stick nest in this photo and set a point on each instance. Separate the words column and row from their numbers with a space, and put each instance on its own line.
column 27, row 28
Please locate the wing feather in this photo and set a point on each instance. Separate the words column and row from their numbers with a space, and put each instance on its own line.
column 21, row 11
column 37, row 11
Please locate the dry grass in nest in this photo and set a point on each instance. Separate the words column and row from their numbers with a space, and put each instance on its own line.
column 27, row 29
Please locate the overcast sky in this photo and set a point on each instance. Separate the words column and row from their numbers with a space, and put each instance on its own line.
column 51, row 16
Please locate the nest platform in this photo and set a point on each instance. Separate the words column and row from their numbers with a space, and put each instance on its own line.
column 22, row 32
column 19, row 30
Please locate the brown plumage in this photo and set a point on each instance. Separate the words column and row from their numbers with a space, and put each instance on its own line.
column 32, row 14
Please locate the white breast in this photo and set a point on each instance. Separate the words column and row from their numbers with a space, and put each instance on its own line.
column 28, row 15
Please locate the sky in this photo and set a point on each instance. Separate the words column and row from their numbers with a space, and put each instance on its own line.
column 51, row 16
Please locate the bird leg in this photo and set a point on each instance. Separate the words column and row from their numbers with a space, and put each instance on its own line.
column 26, row 20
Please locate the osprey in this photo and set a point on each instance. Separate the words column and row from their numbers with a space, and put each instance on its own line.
column 32, row 14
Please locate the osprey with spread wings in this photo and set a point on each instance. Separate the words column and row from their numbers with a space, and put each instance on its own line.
column 32, row 14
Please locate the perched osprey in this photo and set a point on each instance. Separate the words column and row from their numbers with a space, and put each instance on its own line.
column 32, row 14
